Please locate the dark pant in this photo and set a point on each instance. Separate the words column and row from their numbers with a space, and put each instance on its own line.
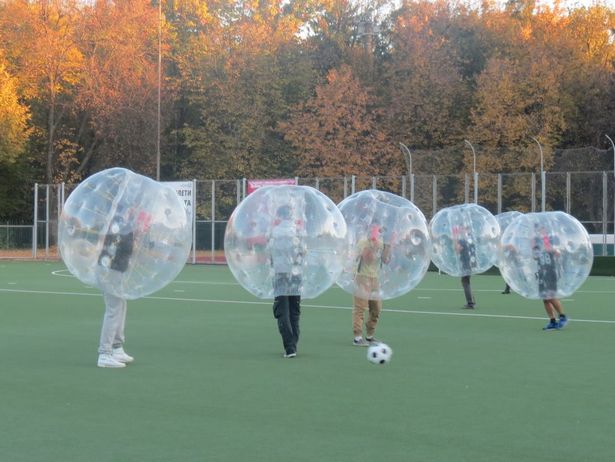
column 467, row 290
column 287, row 309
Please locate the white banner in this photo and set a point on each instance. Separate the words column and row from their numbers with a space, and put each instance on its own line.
column 185, row 191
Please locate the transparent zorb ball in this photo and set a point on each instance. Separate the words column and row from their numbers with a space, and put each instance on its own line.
column 545, row 255
column 286, row 240
column 504, row 219
column 389, row 249
column 124, row 233
column 464, row 239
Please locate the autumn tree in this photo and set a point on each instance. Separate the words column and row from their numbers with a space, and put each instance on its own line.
column 118, row 95
column 427, row 97
column 239, row 73
column 335, row 133
column 42, row 49
column 14, row 117
column 14, row 134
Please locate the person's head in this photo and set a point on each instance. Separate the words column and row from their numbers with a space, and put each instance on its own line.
column 374, row 230
column 283, row 212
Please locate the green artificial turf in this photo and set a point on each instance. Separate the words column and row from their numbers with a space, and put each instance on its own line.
column 209, row 382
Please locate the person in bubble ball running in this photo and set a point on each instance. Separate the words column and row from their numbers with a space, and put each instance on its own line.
column 544, row 253
column 372, row 252
column 287, row 253
column 467, row 257
column 115, row 257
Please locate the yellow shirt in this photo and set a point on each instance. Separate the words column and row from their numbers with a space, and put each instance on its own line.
column 369, row 255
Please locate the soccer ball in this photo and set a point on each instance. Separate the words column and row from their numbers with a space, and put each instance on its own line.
column 379, row 353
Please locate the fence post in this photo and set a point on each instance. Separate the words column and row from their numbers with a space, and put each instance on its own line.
column 499, row 193
column 373, row 182
column 35, row 224
column 466, row 189
column 533, row 192
column 434, row 192
column 543, row 190
column 412, row 188
column 568, row 193
column 353, row 184
column 194, row 221
column 213, row 221
column 476, row 187
column 403, row 186
column 46, row 221
column 604, row 212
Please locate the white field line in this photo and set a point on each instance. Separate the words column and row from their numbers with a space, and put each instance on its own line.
column 418, row 289
column 306, row 305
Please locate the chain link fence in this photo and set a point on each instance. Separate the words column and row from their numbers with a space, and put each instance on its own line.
column 588, row 196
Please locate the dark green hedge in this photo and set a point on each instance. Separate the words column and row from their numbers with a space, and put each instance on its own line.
column 603, row 266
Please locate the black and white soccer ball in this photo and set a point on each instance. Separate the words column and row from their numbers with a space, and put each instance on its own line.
column 379, row 353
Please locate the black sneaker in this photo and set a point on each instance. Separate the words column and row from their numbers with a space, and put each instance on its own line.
column 469, row 306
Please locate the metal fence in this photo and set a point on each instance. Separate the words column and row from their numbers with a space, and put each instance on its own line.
column 588, row 196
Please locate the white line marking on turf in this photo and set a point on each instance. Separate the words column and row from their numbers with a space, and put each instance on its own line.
column 424, row 298
column 329, row 307
column 62, row 272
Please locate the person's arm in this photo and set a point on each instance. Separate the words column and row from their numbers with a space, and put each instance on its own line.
column 386, row 254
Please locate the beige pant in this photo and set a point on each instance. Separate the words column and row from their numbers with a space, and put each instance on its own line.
column 366, row 285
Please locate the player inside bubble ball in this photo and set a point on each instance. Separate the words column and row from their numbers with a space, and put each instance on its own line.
column 545, row 253
column 287, row 248
column 372, row 253
column 117, row 250
column 465, row 248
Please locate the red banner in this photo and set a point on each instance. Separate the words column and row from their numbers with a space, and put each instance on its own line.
column 253, row 185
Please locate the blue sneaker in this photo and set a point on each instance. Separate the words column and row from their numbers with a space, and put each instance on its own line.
column 553, row 325
column 563, row 320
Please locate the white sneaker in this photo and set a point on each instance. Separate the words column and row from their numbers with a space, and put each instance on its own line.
column 107, row 360
column 120, row 355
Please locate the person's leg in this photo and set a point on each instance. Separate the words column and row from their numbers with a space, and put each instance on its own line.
column 506, row 289
column 549, row 308
column 118, row 340
column 114, row 308
column 557, row 306
column 375, row 308
column 281, row 312
column 467, row 290
column 112, row 319
column 295, row 314
column 358, row 313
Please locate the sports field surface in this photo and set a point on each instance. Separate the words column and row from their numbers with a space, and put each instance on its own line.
column 209, row 382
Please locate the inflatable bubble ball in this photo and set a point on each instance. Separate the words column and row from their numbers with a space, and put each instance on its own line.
column 504, row 219
column 389, row 249
column 464, row 239
column 545, row 255
column 124, row 233
column 286, row 240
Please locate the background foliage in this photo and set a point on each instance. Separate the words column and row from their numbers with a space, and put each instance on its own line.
column 296, row 88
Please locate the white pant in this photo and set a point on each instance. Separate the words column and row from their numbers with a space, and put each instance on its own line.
column 112, row 333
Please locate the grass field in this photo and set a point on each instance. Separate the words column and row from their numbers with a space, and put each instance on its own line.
column 209, row 382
